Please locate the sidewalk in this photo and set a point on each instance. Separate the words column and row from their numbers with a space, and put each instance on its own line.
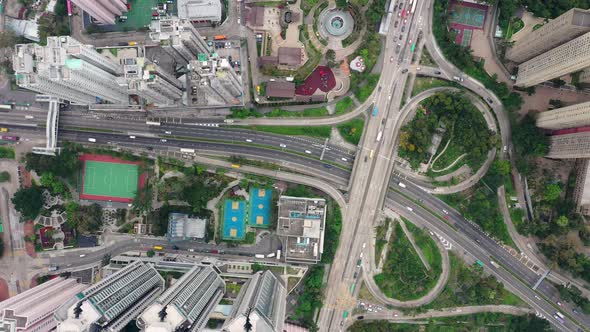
column 418, row 250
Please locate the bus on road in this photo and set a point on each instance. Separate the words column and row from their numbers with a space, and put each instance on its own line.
column 413, row 47
column 478, row 262
column 375, row 111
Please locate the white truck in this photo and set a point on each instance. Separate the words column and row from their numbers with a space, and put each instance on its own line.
column 93, row 140
column 458, row 79
column 259, row 256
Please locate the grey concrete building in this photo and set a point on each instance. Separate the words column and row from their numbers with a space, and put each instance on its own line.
column 564, row 28
column 262, row 302
column 113, row 302
column 577, row 115
column 212, row 81
column 187, row 304
column 567, row 58
column 32, row 310
column 200, row 11
column 570, row 146
column 301, row 226
column 179, row 39
column 149, row 81
column 68, row 70
column 103, row 11
column 183, row 227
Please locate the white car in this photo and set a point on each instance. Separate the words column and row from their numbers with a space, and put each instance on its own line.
column 307, row 151
column 409, row 208
column 168, row 132
column 83, row 255
column 131, row 136
column 249, row 140
column 344, row 159
column 283, row 145
column 163, row 140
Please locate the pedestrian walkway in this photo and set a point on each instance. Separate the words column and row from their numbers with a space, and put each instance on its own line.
column 416, row 248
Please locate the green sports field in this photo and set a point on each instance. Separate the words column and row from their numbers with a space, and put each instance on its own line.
column 110, row 179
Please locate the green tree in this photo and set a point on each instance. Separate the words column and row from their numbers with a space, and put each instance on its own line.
column 4, row 176
column 150, row 253
column 552, row 192
column 502, row 167
column 562, row 221
column 7, row 38
column 28, row 201
column 142, row 203
column 1, row 247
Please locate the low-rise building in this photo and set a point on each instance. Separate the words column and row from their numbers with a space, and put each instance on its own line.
column 280, row 89
column 183, row 227
column 200, row 11
column 290, row 56
column 301, row 226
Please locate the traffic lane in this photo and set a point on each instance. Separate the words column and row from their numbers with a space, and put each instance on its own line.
column 473, row 231
column 302, row 145
column 276, row 155
column 400, row 204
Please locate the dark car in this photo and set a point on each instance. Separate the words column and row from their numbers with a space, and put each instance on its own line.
column 396, row 24
column 327, row 166
column 175, row 247
column 490, row 100
column 437, row 72
column 360, row 317
column 404, row 71
column 401, row 36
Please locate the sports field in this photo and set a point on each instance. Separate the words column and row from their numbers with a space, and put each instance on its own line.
column 260, row 207
column 469, row 16
column 108, row 178
column 234, row 220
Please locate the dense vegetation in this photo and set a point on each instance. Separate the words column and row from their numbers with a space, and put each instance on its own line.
column 352, row 130
column 455, row 113
column 404, row 276
column 84, row 218
column 574, row 294
column 6, row 152
column 480, row 204
column 477, row 322
column 310, row 298
column 551, row 8
column 468, row 285
column 332, row 232
column 529, row 142
column 28, row 201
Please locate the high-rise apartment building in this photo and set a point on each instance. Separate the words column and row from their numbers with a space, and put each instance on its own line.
column 570, row 146
column 113, row 302
column 585, row 76
column 186, row 305
column 149, row 81
column 213, row 81
column 103, row 11
column 32, row 310
column 566, row 117
column 567, row 58
column 564, row 28
column 261, row 302
column 179, row 39
column 68, row 70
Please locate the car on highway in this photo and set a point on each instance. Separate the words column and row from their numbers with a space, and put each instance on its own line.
column 396, row 24
column 410, row 41
column 307, row 151
column 445, row 211
column 83, row 255
column 405, row 71
column 163, row 140
column 403, row 28
column 344, row 159
column 248, row 140
column 191, row 250
column 328, row 166
column 446, row 217
column 401, row 5
column 559, row 303
column 168, row 132
column 437, row 72
column 282, row 145
column 131, row 136
column 401, row 37
column 409, row 209
column 355, row 275
column 490, row 100
column 399, row 14
column 391, row 59
column 405, row 20
column 360, row 317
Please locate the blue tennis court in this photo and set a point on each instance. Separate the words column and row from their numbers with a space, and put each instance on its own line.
column 260, row 207
column 234, row 220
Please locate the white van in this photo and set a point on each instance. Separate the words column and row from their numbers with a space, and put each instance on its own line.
column 93, row 140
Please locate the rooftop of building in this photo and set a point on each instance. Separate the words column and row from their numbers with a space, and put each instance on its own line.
column 581, row 18
column 255, row 16
column 289, row 56
column 280, row 89
column 301, row 225
column 195, row 10
column 181, row 225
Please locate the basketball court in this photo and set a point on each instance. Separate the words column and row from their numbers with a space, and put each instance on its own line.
column 234, row 220
column 466, row 17
column 260, row 200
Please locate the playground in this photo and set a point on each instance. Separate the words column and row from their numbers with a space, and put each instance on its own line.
column 260, row 200
column 106, row 178
column 234, row 220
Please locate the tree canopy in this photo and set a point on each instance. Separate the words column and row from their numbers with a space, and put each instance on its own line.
column 28, row 201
